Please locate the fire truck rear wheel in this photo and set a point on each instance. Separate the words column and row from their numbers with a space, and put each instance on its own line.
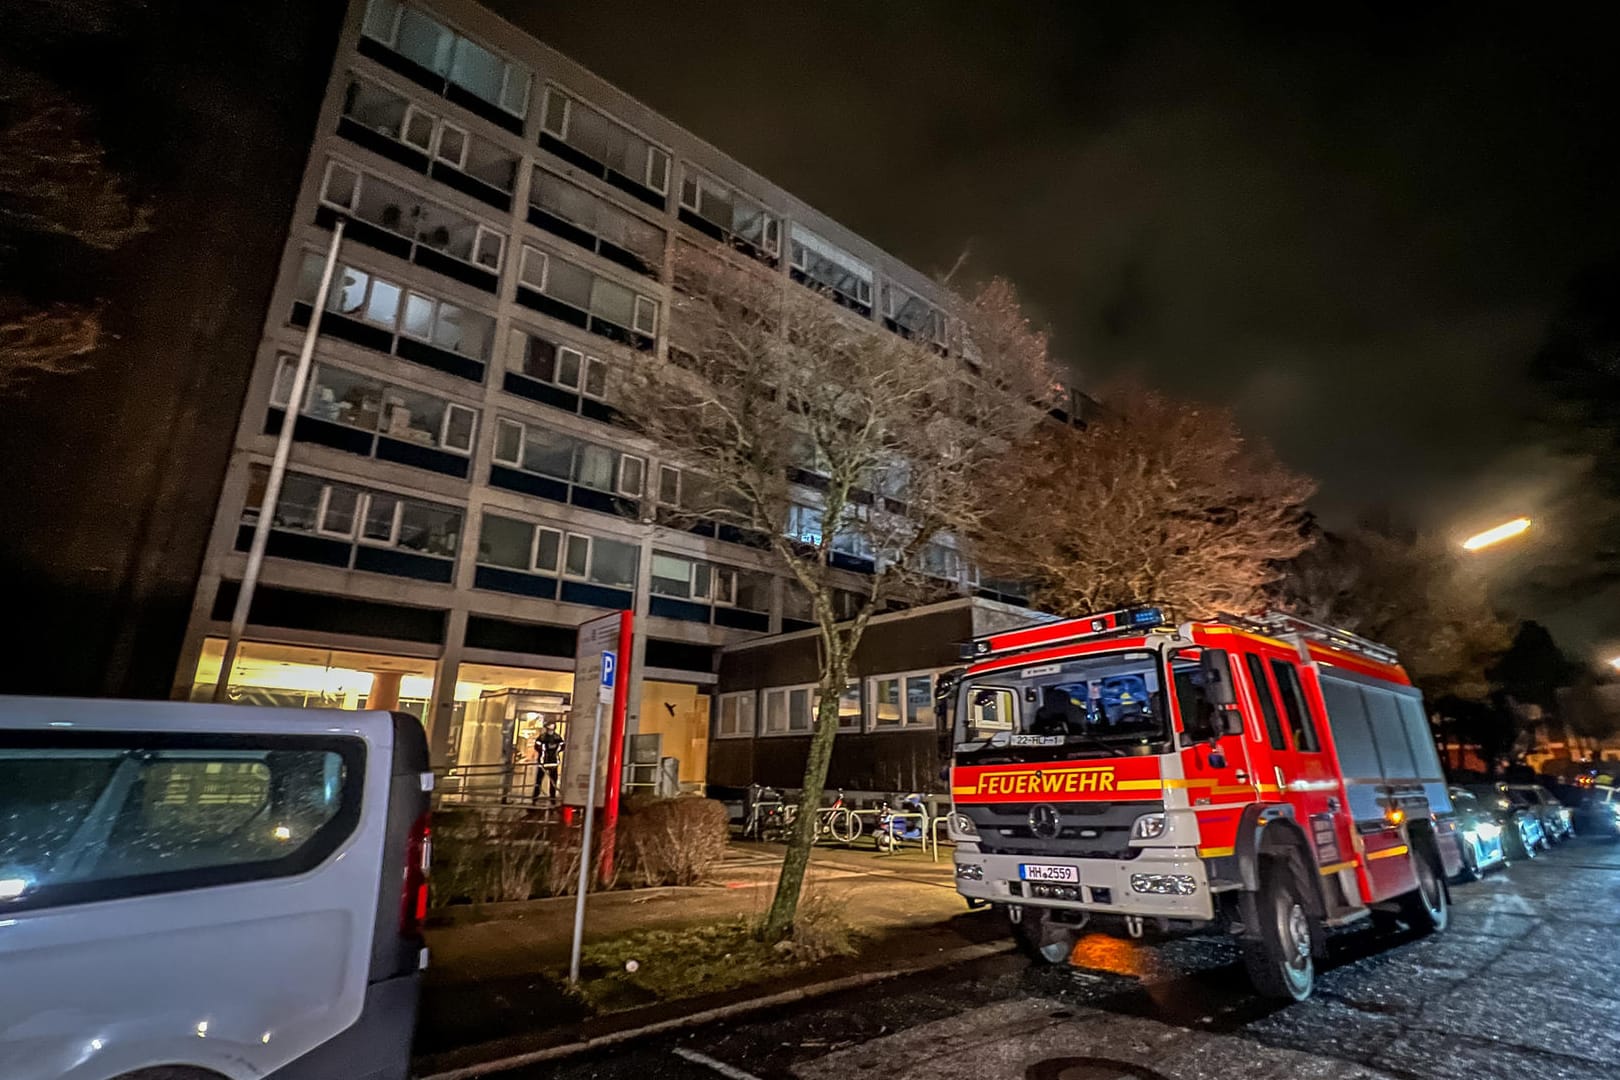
column 1042, row 937
column 1279, row 958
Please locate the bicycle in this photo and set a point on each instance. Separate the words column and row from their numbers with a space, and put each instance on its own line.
column 839, row 822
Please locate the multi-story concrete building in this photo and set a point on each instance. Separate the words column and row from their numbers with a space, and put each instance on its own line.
column 459, row 498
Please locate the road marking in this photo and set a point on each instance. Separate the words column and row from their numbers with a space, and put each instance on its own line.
column 730, row 1072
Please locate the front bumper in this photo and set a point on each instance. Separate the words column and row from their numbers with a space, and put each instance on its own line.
column 1105, row 885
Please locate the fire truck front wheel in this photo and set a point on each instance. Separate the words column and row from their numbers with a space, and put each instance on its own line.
column 1040, row 935
column 1278, row 955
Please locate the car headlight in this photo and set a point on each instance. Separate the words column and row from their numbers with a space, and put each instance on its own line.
column 1148, row 827
column 1487, row 830
column 961, row 827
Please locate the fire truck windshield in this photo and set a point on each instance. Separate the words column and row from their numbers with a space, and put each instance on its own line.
column 1111, row 703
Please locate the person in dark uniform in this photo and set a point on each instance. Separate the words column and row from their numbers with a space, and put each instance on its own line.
column 1052, row 718
column 548, row 747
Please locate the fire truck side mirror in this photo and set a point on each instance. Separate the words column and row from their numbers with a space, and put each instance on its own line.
column 1217, row 671
column 944, row 694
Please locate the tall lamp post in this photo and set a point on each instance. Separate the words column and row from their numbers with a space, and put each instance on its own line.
column 278, row 471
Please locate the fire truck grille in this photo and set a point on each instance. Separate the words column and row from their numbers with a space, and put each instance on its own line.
column 1086, row 830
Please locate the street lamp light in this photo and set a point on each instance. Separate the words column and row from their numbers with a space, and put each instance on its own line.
column 1505, row 531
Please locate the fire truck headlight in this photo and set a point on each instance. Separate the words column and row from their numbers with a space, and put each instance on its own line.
column 1164, row 884
column 1148, row 827
column 970, row 871
column 961, row 827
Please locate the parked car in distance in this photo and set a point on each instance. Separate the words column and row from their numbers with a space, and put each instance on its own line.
column 1522, row 834
column 1480, row 834
column 1556, row 820
column 209, row 891
column 1597, row 813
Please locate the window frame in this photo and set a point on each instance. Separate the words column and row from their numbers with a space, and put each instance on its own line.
column 508, row 65
column 620, row 487
column 656, row 152
column 737, row 698
column 327, row 487
column 393, row 523
column 901, row 677
column 663, row 471
column 457, row 163
column 287, row 362
column 1304, row 721
column 786, row 694
column 482, row 229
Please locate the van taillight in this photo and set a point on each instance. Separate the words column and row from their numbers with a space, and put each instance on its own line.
column 413, row 901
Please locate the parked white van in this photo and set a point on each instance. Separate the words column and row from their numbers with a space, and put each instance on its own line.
column 196, row 892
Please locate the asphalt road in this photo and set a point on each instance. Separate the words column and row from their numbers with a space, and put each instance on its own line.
column 1523, row 985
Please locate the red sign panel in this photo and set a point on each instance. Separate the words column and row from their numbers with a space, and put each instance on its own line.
column 1110, row 780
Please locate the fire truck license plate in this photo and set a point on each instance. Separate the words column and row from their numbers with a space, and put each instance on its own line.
column 1047, row 872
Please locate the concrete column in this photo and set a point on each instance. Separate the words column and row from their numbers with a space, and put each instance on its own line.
column 384, row 690
column 441, row 710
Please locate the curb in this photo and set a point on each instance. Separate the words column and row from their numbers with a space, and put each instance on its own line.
column 724, row 1012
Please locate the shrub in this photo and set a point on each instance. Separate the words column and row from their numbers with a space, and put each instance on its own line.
column 677, row 841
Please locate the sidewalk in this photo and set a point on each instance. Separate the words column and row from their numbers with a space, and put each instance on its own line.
column 495, row 970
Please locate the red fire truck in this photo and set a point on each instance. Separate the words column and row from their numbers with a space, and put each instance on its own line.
column 1270, row 778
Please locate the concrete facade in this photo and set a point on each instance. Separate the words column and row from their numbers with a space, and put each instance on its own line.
column 488, row 251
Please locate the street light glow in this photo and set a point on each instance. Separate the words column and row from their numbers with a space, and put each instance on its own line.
column 1505, row 531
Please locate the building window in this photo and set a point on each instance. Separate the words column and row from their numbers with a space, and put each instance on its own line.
column 412, row 218
column 367, row 297
column 559, row 365
column 458, row 60
column 849, row 706
column 591, row 140
column 693, row 579
column 372, row 405
column 586, row 219
column 517, row 545
column 309, row 504
column 535, row 449
column 821, row 264
column 910, row 316
column 736, row 715
column 721, row 212
column 574, row 294
column 373, row 110
column 936, row 560
column 804, row 523
column 902, row 700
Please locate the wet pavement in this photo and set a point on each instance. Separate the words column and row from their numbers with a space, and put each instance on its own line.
column 1523, row 985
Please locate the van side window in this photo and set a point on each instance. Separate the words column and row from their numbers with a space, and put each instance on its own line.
column 1299, row 717
column 1268, row 703
column 96, row 816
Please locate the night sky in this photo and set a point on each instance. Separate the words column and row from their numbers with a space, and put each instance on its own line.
column 1353, row 226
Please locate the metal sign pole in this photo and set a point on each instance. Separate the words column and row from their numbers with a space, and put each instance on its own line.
column 608, row 662
column 278, row 470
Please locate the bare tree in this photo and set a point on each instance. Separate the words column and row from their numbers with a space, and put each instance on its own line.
column 813, row 430
column 1155, row 500
column 56, row 188
column 1412, row 593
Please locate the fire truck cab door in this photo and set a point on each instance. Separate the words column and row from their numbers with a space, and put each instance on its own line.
column 1302, row 771
column 1215, row 772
